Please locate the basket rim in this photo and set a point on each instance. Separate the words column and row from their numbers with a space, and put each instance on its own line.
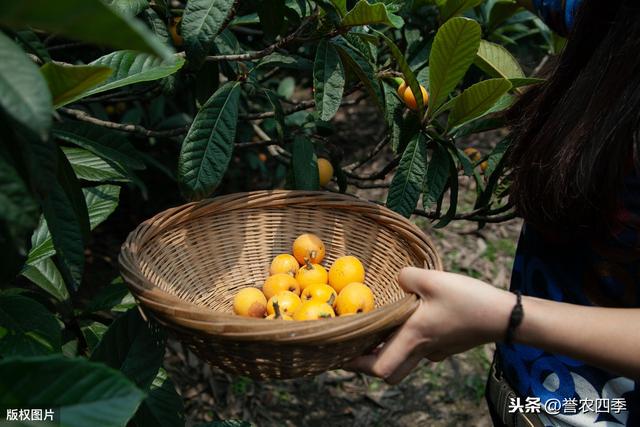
column 204, row 320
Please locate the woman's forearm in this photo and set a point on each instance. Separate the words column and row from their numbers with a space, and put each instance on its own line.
column 605, row 337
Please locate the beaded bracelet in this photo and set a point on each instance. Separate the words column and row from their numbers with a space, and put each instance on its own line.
column 517, row 314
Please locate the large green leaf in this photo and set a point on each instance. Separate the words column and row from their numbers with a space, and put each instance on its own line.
column 130, row 67
column 85, row 393
column 133, row 346
column 201, row 22
column 27, row 328
column 163, row 406
column 24, row 95
column 46, row 275
column 365, row 13
column 68, row 82
column 71, row 186
column 362, row 68
column 437, row 177
column 328, row 80
column 453, row 51
column 101, row 201
column 87, row 20
column 206, row 150
column 305, row 164
column 497, row 61
column 66, row 234
column 112, row 146
column 408, row 74
column 456, row 7
column 90, row 167
column 477, row 100
column 407, row 183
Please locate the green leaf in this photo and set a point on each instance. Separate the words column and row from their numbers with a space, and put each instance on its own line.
column 89, row 167
column 68, row 82
column 500, row 12
column 85, row 393
column 33, row 43
column 101, row 201
column 46, row 275
column 341, row 6
column 24, row 95
column 128, row 7
column 92, row 333
column 71, row 186
column 408, row 74
column 437, row 177
column 456, row 7
column 477, row 99
column 112, row 146
column 393, row 116
column 86, row 20
column 18, row 217
column 453, row 51
column 113, row 297
column 201, row 22
column 525, row 81
column 206, row 150
column 133, row 346
column 305, row 164
column 29, row 328
column 362, row 68
column 497, row 61
column 453, row 186
column 130, row 67
column 277, row 59
column 365, row 13
column 163, row 406
column 66, row 234
column 328, row 80
column 157, row 25
column 407, row 183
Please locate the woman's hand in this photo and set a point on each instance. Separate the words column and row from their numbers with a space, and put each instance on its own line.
column 455, row 314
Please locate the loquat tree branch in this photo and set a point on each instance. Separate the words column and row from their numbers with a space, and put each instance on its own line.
column 125, row 127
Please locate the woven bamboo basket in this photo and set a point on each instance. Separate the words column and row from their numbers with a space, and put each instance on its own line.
column 185, row 265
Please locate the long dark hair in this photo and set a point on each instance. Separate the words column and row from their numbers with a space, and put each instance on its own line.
column 576, row 137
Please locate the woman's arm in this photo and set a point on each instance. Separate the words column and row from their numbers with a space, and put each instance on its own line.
column 457, row 313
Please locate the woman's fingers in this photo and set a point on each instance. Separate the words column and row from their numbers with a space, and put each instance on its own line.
column 404, row 369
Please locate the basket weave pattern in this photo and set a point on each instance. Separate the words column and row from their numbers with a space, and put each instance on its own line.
column 186, row 264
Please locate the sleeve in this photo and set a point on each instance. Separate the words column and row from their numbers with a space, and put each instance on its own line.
column 559, row 15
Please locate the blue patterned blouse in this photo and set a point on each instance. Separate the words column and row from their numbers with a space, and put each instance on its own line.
column 579, row 271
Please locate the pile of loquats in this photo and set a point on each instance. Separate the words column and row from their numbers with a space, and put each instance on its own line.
column 300, row 288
